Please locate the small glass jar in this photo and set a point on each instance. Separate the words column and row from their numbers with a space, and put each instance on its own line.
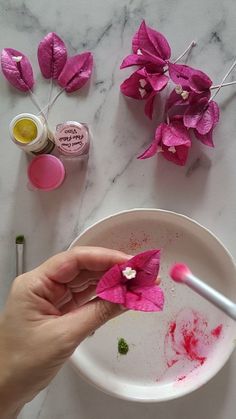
column 72, row 139
column 30, row 133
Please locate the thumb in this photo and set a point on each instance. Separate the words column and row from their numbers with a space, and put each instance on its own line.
column 81, row 322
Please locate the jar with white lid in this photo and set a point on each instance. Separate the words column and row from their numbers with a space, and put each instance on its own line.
column 30, row 133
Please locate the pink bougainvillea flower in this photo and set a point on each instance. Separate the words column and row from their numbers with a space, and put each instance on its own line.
column 172, row 141
column 52, row 55
column 144, row 86
column 203, row 116
column 150, row 49
column 17, row 69
column 185, row 75
column 132, row 284
column 76, row 72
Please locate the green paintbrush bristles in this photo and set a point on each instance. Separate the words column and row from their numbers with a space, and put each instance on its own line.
column 20, row 239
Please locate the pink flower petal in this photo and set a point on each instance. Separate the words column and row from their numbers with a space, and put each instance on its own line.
column 76, row 72
column 175, row 134
column 194, row 113
column 145, row 299
column 157, row 81
column 116, row 294
column 52, row 55
column 180, row 74
column 110, row 279
column 142, row 60
column 179, row 157
column 151, row 42
column 153, row 148
column 147, row 264
column 189, row 76
column 200, row 82
column 205, row 139
column 209, row 118
column 132, row 87
column 17, row 69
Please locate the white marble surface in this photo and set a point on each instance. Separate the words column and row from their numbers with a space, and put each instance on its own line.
column 115, row 180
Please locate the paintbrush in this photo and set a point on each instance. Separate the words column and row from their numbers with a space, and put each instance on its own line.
column 20, row 242
column 182, row 274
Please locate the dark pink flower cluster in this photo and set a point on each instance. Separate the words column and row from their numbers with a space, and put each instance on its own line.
column 189, row 107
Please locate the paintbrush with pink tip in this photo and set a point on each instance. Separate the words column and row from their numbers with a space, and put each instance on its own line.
column 182, row 274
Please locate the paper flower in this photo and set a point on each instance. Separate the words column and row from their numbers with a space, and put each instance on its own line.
column 142, row 85
column 185, row 75
column 52, row 56
column 172, row 141
column 203, row 116
column 17, row 69
column 132, row 284
column 76, row 72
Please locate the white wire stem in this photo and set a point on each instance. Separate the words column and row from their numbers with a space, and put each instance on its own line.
column 188, row 49
column 37, row 105
column 49, row 105
column 49, row 98
column 216, row 86
column 224, row 78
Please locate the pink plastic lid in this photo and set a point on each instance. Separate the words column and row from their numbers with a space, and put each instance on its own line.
column 46, row 172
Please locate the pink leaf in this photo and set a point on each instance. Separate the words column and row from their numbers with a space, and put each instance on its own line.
column 209, row 119
column 205, row 139
column 76, row 72
column 142, row 60
column 52, row 55
column 151, row 42
column 153, row 148
column 200, row 82
column 138, row 292
column 145, row 299
column 17, row 69
column 179, row 157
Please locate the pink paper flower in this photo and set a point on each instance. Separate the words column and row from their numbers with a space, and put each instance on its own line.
column 17, row 69
column 132, row 284
column 203, row 116
column 150, row 49
column 172, row 141
column 144, row 86
column 52, row 55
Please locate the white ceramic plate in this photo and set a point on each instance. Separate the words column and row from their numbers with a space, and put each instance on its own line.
column 143, row 374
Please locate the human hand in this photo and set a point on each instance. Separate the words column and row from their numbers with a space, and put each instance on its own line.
column 47, row 314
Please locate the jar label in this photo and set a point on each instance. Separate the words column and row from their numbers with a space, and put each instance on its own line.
column 72, row 139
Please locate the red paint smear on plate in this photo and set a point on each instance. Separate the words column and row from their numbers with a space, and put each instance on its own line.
column 189, row 340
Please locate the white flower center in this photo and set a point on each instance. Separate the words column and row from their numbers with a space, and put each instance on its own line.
column 139, row 52
column 172, row 150
column 160, row 149
column 142, row 92
column 185, row 94
column 129, row 273
column 142, row 83
column 17, row 59
column 178, row 89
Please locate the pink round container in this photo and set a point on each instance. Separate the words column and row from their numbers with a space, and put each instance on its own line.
column 72, row 139
column 46, row 172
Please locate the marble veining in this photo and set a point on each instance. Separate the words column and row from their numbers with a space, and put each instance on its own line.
column 114, row 179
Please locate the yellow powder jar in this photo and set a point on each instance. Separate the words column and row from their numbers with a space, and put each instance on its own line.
column 29, row 132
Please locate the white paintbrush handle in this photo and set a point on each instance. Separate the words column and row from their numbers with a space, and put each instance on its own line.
column 19, row 259
column 215, row 297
